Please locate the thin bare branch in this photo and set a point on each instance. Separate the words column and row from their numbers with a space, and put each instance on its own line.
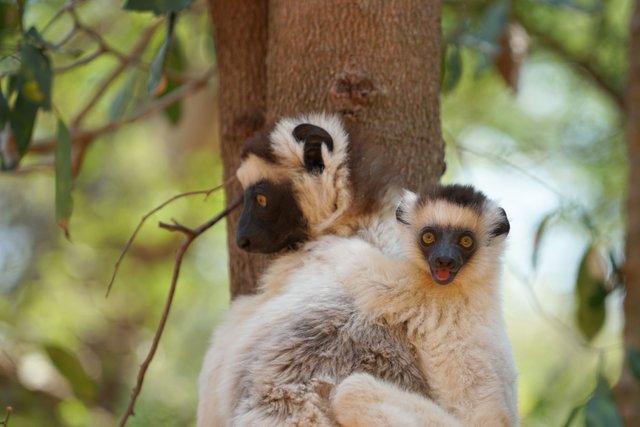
column 8, row 411
column 70, row 5
column 191, row 235
column 47, row 145
column 144, row 219
column 102, row 44
column 80, row 62
column 137, row 50
column 72, row 32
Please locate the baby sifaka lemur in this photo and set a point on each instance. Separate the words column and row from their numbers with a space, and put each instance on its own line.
column 446, row 290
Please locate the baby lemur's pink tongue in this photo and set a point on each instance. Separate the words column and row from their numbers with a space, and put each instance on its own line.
column 443, row 274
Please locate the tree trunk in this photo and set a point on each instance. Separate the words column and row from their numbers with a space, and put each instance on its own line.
column 240, row 28
column 628, row 388
column 376, row 62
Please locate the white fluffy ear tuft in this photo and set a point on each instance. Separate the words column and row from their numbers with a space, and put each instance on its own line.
column 406, row 206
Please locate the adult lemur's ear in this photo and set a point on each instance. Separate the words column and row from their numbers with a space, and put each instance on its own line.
column 313, row 137
column 502, row 225
column 407, row 204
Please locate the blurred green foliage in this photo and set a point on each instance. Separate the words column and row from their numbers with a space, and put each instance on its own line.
column 530, row 88
column 68, row 356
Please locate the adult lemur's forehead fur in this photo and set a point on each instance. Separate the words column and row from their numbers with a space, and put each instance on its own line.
column 279, row 153
column 353, row 165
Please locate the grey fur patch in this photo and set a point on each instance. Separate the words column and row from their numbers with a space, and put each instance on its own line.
column 293, row 361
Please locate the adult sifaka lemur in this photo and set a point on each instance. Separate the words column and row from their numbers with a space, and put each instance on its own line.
column 308, row 177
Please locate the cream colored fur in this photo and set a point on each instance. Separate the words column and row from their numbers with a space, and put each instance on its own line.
column 325, row 201
column 364, row 401
column 458, row 330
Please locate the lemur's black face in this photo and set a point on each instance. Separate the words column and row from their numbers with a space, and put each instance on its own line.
column 271, row 220
column 446, row 251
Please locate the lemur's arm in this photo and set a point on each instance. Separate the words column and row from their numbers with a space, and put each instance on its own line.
column 362, row 401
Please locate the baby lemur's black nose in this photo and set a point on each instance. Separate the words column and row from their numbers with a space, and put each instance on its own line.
column 445, row 262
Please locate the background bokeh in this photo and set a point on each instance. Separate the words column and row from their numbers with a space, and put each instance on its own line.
column 549, row 148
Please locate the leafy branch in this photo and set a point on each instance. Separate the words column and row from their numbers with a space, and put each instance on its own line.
column 34, row 78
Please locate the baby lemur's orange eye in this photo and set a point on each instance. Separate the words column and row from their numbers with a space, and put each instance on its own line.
column 428, row 238
column 262, row 200
column 466, row 242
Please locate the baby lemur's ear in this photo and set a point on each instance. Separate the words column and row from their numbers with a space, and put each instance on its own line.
column 406, row 206
column 501, row 225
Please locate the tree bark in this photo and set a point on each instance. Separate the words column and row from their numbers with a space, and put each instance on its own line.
column 628, row 388
column 240, row 28
column 376, row 62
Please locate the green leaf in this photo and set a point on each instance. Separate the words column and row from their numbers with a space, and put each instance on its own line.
column 601, row 410
column 493, row 22
column 129, row 90
column 452, row 69
column 158, row 62
column 633, row 356
column 157, row 6
column 175, row 63
column 64, row 177
column 4, row 110
column 35, row 75
column 542, row 228
column 590, row 293
column 70, row 367
column 22, row 118
column 34, row 38
column 156, row 68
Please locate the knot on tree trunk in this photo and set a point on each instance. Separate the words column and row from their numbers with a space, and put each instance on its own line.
column 351, row 90
column 245, row 125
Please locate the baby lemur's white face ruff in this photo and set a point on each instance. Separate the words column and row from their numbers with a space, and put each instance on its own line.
column 448, row 226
